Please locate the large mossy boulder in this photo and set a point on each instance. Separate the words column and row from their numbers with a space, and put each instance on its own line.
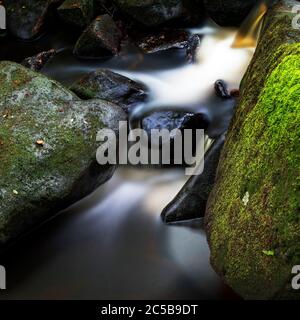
column 253, row 214
column 156, row 12
column 47, row 148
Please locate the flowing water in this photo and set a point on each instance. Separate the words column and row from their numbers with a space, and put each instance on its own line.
column 113, row 243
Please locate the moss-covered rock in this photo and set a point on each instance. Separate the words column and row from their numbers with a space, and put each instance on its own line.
column 253, row 214
column 47, row 148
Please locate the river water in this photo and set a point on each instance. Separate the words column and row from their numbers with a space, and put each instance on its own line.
column 113, row 245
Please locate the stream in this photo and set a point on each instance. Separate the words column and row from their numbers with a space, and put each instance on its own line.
column 113, row 245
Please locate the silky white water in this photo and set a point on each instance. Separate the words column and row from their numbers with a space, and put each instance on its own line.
column 193, row 84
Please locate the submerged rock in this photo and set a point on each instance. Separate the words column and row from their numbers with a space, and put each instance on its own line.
column 77, row 12
column 157, row 12
column 26, row 18
column 47, row 148
column 190, row 203
column 37, row 62
column 107, row 85
column 102, row 38
column 164, row 40
column 229, row 12
column 253, row 211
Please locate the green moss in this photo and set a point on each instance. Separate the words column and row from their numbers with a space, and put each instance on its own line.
column 46, row 177
column 264, row 160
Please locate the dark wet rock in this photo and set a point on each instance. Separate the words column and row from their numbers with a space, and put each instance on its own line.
column 102, row 38
column 164, row 40
column 77, row 12
column 174, row 120
column 26, row 18
column 171, row 120
column 192, row 47
column 221, row 89
column 107, row 85
column 37, row 62
column 190, row 203
column 253, row 211
column 47, row 148
column 229, row 12
column 157, row 12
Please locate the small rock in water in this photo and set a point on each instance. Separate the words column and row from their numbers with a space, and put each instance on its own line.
column 77, row 12
column 222, row 90
column 107, row 85
column 102, row 38
column 192, row 47
column 37, row 62
column 190, row 203
column 163, row 40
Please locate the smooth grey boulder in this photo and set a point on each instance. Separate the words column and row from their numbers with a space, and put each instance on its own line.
column 47, row 148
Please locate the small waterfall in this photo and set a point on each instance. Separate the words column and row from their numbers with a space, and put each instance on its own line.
column 249, row 32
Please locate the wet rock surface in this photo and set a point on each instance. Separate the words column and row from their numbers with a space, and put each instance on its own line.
column 253, row 211
column 191, row 201
column 77, row 12
column 101, row 39
column 47, row 148
column 174, row 120
column 192, row 47
column 221, row 89
column 163, row 40
column 107, row 85
column 229, row 12
column 38, row 61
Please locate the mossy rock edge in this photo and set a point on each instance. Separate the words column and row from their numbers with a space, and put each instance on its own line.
column 253, row 214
